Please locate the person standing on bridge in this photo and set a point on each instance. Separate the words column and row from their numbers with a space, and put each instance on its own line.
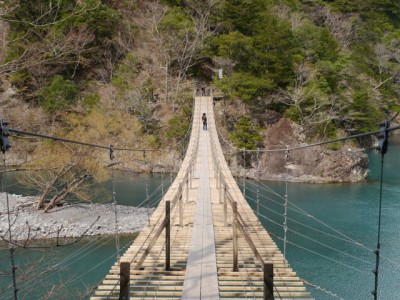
column 204, row 119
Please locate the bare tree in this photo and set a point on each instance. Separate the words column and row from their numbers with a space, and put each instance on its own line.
column 54, row 50
column 388, row 59
column 181, row 46
column 67, row 174
column 315, row 108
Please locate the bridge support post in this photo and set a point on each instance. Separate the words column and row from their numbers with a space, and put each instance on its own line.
column 181, row 210
column 235, row 237
column 268, row 281
column 167, row 235
column 191, row 176
column 187, row 190
column 218, row 177
column 225, row 208
column 125, row 274
column 220, row 194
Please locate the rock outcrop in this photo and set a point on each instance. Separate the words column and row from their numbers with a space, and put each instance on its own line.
column 315, row 164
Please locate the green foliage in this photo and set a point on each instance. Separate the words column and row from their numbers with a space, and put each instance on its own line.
column 380, row 9
column 294, row 114
column 244, row 85
column 246, row 134
column 179, row 124
column 64, row 37
column 58, row 94
column 318, row 66
column 263, row 57
column 244, row 16
column 101, row 19
column 178, row 127
column 19, row 78
column 177, row 22
column 126, row 71
column 317, row 43
column 174, row 2
column 236, row 46
column 91, row 100
column 329, row 131
column 364, row 114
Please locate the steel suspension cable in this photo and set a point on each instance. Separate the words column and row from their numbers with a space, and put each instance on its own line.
column 302, row 211
column 117, row 245
column 318, row 242
column 32, row 284
column 343, row 139
column 343, row 238
column 60, row 139
column 10, row 244
column 383, row 145
column 258, row 178
column 244, row 172
column 285, row 214
column 312, row 251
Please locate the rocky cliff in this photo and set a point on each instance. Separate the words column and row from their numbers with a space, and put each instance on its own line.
column 318, row 164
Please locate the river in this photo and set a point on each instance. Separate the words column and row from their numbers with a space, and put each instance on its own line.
column 332, row 232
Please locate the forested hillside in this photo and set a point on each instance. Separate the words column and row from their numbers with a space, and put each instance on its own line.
column 327, row 65
column 124, row 71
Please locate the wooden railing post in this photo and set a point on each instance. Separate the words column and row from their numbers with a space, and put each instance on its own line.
column 187, row 190
column 235, row 237
column 181, row 210
column 124, row 273
column 218, row 176
column 268, row 282
column 220, row 195
column 225, row 208
column 191, row 175
column 167, row 235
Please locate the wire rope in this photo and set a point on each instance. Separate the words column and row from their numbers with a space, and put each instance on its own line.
column 343, row 139
column 60, row 139
column 10, row 244
column 343, row 238
column 33, row 283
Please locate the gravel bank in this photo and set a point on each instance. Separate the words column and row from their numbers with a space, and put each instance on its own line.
column 71, row 220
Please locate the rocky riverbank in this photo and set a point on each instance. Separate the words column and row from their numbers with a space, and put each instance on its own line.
column 68, row 221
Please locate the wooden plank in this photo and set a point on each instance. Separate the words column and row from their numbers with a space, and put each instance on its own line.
column 201, row 279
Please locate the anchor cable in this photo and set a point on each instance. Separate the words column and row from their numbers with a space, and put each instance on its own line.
column 10, row 244
column 382, row 147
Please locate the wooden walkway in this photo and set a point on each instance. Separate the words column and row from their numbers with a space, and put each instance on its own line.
column 208, row 215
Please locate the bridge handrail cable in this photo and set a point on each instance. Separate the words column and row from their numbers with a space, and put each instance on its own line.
column 231, row 192
column 174, row 194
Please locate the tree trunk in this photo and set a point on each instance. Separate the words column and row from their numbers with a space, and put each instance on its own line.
column 47, row 188
column 70, row 187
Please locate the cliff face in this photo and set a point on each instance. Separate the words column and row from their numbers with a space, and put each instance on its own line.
column 314, row 164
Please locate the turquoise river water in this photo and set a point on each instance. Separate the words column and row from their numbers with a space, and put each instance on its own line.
column 332, row 232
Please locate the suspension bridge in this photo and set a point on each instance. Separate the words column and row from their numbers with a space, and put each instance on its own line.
column 203, row 241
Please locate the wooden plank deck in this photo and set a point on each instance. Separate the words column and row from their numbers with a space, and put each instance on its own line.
column 201, row 245
column 201, row 280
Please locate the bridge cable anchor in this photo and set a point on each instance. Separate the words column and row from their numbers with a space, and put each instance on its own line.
column 383, row 137
column 4, row 133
